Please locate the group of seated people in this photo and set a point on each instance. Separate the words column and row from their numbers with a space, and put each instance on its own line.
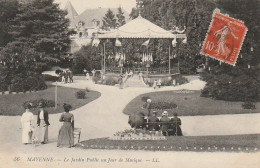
column 167, row 126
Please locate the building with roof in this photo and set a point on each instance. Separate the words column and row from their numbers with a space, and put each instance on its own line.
column 72, row 13
column 87, row 24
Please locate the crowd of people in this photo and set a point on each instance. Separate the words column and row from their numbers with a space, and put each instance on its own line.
column 66, row 76
column 39, row 134
column 164, row 124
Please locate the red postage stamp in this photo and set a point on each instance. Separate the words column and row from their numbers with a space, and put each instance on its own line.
column 224, row 38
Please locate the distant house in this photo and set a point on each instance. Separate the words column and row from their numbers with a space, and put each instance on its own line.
column 72, row 13
column 87, row 24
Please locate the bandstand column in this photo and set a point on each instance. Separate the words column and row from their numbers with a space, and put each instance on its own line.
column 169, row 58
column 104, row 64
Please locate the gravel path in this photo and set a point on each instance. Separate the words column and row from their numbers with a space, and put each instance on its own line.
column 103, row 117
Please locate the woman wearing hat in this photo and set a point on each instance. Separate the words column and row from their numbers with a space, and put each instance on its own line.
column 65, row 137
column 43, row 123
column 26, row 120
column 176, row 122
column 148, row 106
column 165, row 120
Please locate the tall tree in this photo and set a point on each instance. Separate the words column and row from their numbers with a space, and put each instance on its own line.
column 109, row 20
column 42, row 25
column 8, row 10
column 120, row 17
column 40, row 38
column 134, row 13
column 194, row 15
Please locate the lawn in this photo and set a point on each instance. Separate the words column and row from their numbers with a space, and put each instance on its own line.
column 245, row 143
column 12, row 104
column 189, row 103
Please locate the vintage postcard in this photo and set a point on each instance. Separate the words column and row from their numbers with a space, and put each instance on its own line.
column 129, row 83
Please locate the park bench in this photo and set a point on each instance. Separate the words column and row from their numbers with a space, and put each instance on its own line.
column 159, row 124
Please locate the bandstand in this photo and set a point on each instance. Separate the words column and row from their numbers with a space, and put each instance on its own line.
column 139, row 28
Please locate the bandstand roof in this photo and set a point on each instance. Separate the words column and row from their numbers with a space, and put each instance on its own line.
column 139, row 28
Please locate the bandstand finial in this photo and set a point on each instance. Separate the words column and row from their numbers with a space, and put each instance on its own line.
column 139, row 5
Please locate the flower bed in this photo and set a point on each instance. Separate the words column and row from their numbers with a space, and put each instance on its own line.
column 163, row 105
column 137, row 135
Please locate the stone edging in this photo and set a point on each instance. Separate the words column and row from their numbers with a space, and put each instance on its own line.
column 139, row 138
column 7, row 92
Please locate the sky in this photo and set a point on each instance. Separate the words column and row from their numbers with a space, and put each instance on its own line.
column 82, row 5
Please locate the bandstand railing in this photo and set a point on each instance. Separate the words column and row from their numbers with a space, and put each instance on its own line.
column 142, row 70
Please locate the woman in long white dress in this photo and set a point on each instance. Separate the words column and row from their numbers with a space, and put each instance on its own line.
column 27, row 121
column 87, row 76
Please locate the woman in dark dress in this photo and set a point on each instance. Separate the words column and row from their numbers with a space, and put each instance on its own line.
column 175, row 126
column 66, row 138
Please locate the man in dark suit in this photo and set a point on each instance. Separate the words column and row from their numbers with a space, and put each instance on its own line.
column 175, row 126
column 153, row 118
column 165, row 123
column 136, row 120
column 43, row 123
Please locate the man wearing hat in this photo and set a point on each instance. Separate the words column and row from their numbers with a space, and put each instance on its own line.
column 153, row 118
column 43, row 123
column 165, row 126
column 175, row 126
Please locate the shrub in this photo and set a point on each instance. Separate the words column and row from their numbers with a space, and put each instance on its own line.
column 228, row 88
column 163, row 105
column 111, row 81
column 81, row 94
column 248, row 105
column 3, row 78
column 181, row 80
column 50, row 78
column 167, row 83
column 144, row 98
column 95, row 79
column 21, row 83
column 58, row 71
column 3, row 87
column 45, row 102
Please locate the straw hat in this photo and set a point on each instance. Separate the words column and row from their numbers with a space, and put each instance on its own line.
column 164, row 113
column 149, row 100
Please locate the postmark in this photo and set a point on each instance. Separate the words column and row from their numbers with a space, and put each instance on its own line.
column 224, row 38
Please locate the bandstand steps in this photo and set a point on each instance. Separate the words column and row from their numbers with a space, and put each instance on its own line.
column 135, row 82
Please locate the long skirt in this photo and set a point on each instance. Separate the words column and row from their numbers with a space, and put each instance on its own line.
column 43, row 132
column 26, row 133
column 66, row 138
column 175, row 131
